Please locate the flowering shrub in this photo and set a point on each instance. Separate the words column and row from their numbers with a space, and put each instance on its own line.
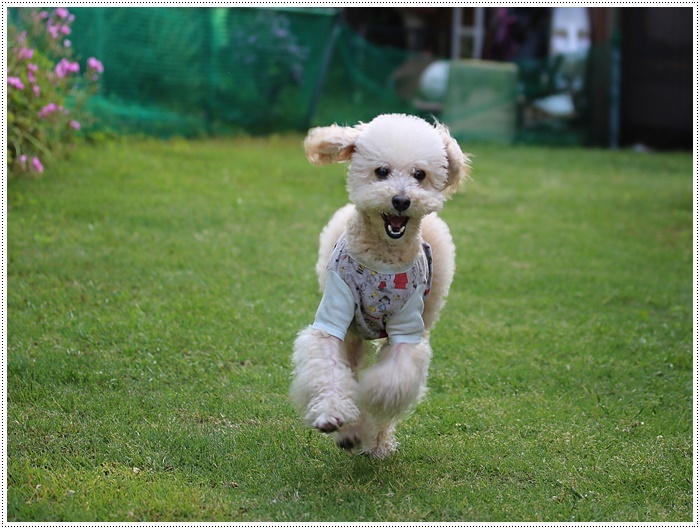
column 46, row 89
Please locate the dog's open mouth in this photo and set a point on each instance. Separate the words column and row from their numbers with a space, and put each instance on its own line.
column 395, row 225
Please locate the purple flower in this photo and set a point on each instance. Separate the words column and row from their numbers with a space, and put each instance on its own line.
column 36, row 165
column 15, row 82
column 65, row 30
column 74, row 124
column 23, row 161
column 43, row 15
column 62, row 12
column 67, row 43
column 37, row 90
column 94, row 64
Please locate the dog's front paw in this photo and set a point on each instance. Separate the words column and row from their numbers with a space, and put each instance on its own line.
column 328, row 423
column 328, row 413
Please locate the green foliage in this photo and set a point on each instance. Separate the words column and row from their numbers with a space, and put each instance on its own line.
column 153, row 299
column 45, row 91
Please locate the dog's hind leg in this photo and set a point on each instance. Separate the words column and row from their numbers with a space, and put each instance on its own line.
column 368, row 436
column 323, row 386
column 383, row 442
column 353, row 437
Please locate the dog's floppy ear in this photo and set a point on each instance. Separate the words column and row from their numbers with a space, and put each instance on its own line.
column 457, row 161
column 332, row 144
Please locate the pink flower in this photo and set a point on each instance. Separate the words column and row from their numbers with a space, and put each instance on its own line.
column 61, row 69
column 53, row 30
column 23, row 161
column 15, row 82
column 65, row 67
column 65, row 30
column 25, row 53
column 67, row 43
column 48, row 110
column 62, row 12
column 43, row 15
column 36, row 165
column 74, row 124
column 94, row 64
column 32, row 70
column 37, row 90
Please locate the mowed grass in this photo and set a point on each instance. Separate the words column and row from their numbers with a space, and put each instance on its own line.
column 154, row 290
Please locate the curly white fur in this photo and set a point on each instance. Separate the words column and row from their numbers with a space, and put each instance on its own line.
column 335, row 388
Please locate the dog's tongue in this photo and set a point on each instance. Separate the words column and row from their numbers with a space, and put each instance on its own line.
column 396, row 221
column 395, row 225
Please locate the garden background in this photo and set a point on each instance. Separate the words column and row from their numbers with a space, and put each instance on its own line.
column 155, row 284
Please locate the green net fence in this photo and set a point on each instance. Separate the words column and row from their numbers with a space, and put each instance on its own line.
column 190, row 71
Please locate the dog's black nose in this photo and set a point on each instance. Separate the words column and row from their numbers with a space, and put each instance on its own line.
column 401, row 203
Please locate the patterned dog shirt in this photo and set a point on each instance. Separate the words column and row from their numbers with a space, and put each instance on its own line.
column 374, row 304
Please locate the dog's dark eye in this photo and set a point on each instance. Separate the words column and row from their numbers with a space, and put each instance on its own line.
column 382, row 172
column 419, row 175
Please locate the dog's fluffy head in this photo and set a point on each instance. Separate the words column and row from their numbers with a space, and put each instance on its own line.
column 401, row 167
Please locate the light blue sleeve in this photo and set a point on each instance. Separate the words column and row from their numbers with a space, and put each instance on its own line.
column 407, row 325
column 337, row 308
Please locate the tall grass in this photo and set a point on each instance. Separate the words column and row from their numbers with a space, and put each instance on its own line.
column 154, row 290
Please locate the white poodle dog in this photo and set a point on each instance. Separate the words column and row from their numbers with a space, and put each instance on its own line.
column 385, row 267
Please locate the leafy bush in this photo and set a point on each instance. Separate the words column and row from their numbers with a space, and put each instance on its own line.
column 46, row 90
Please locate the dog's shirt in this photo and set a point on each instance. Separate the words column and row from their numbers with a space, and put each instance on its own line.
column 374, row 303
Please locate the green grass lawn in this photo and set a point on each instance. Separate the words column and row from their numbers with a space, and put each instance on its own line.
column 154, row 290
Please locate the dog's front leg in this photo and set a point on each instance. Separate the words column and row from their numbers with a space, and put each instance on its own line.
column 397, row 381
column 323, row 387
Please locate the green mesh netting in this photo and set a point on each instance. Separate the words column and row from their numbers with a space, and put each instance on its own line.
column 191, row 71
